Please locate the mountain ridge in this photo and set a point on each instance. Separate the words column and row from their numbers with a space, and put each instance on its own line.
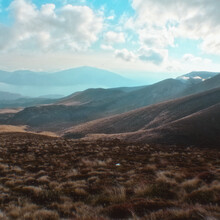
column 161, row 123
column 66, row 77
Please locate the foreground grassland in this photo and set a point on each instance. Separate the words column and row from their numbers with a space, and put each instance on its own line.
column 46, row 178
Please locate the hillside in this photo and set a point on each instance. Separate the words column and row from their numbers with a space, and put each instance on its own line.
column 53, row 178
column 201, row 127
column 6, row 96
column 141, row 96
column 15, row 100
column 91, row 96
column 24, row 102
column 149, row 123
column 158, row 92
column 93, row 104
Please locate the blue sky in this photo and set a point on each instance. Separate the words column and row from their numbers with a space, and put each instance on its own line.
column 137, row 38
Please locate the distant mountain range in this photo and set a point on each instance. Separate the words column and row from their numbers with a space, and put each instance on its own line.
column 14, row 100
column 64, row 82
column 40, row 84
column 6, row 96
column 197, row 76
column 81, row 75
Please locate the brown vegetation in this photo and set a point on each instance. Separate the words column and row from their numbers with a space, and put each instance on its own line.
column 52, row 178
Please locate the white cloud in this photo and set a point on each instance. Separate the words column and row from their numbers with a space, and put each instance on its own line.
column 125, row 54
column 153, row 55
column 145, row 55
column 188, row 19
column 155, row 37
column 112, row 37
column 111, row 17
column 68, row 28
column 190, row 58
column 106, row 47
column 212, row 44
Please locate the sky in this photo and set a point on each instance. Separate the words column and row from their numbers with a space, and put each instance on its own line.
column 135, row 38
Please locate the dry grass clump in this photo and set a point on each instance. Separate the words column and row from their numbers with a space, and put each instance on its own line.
column 87, row 212
column 44, row 214
column 192, row 213
column 13, row 182
column 34, row 190
column 72, row 173
column 204, row 195
column 93, row 163
column 93, row 179
column 77, row 190
column 166, row 177
column 191, row 184
column 122, row 211
column 25, row 211
column 40, row 196
column 16, row 170
column 3, row 167
column 163, row 187
column 65, row 209
column 43, row 180
column 30, row 181
column 143, row 207
column 52, row 178
column 207, row 176
column 3, row 216
column 141, row 190
column 215, row 186
column 160, row 190
column 174, row 214
column 111, row 195
column 149, row 168
column 116, row 194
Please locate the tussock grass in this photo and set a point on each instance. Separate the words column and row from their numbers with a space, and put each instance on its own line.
column 44, row 177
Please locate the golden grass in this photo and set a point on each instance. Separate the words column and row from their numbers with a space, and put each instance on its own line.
column 11, row 128
column 23, row 129
column 13, row 110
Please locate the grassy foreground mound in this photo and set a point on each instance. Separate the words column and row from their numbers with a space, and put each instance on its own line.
column 52, row 178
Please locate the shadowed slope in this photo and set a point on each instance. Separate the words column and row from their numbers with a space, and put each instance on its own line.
column 158, row 120
column 201, row 129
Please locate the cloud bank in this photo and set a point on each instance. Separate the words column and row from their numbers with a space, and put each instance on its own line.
column 150, row 38
column 159, row 22
column 47, row 28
